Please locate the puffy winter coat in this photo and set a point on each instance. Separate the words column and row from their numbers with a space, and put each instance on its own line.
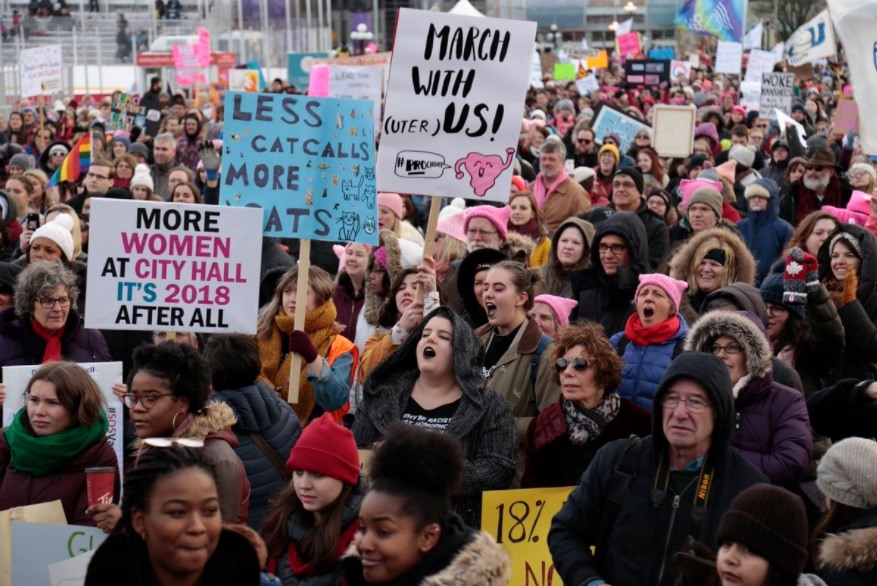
column 771, row 425
column 765, row 233
column 848, row 556
column 20, row 346
column 260, row 410
column 607, row 300
column 645, row 365
column 66, row 484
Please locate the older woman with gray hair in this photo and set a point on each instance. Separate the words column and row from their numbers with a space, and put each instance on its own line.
column 43, row 325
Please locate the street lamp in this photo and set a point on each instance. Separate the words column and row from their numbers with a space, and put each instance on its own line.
column 555, row 37
column 362, row 36
column 613, row 26
column 630, row 8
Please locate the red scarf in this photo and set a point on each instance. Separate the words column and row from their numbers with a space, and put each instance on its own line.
column 640, row 335
column 53, row 341
column 301, row 568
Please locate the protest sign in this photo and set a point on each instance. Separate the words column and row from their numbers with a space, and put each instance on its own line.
column 187, row 65
column 70, row 572
column 308, row 162
column 729, row 57
column 750, row 94
column 519, row 521
column 243, row 80
column 646, row 72
column 662, row 54
column 126, row 113
column 40, row 70
column 777, row 91
column 536, row 71
column 174, row 267
column 847, row 117
column 610, row 120
column 597, row 59
column 783, row 119
column 358, row 83
column 452, row 115
column 673, row 134
column 105, row 374
column 760, row 62
column 588, row 84
column 202, row 48
column 36, row 546
column 564, row 71
column 678, row 68
column 629, row 44
column 298, row 67
column 814, row 40
column 752, row 40
column 624, row 27
column 51, row 512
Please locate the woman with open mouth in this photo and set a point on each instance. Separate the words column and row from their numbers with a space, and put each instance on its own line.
column 434, row 380
column 652, row 337
column 709, row 261
column 516, row 364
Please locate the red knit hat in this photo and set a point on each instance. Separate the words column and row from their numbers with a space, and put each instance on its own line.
column 326, row 448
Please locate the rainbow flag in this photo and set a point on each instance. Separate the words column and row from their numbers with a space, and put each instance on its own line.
column 75, row 163
column 721, row 18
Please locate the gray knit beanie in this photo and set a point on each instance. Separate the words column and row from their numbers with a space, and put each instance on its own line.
column 846, row 473
column 21, row 160
column 707, row 196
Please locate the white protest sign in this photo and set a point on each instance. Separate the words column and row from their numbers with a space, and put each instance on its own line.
column 105, row 374
column 37, row 546
column 760, row 62
column 729, row 57
column 673, row 130
column 752, row 40
column 783, row 119
column 358, row 83
column 678, row 68
column 243, row 80
column 812, row 41
column 777, row 91
column 40, row 71
column 536, row 71
column 588, row 84
column 174, row 267
column 750, row 94
column 453, row 108
column 70, row 572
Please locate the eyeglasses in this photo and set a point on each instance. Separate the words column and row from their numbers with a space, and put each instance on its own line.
column 148, row 401
column 692, row 404
column 584, row 140
column 814, row 167
column 615, row 249
column 776, row 310
column 96, row 176
column 730, row 349
column 578, row 364
column 63, row 303
column 57, row 153
column 623, row 185
column 482, row 233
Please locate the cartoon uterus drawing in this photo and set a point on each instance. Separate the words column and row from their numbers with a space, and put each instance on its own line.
column 483, row 169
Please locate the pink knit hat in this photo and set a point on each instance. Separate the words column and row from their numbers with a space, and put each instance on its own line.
column 452, row 224
column 341, row 252
column 857, row 212
column 672, row 287
column 392, row 201
column 689, row 186
column 561, row 306
column 499, row 217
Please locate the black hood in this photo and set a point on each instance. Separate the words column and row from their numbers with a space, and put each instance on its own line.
column 469, row 266
column 711, row 373
column 868, row 270
column 43, row 161
column 743, row 296
column 629, row 226
column 401, row 365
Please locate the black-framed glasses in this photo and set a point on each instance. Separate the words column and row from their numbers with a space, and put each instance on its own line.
column 814, row 167
column 730, row 349
column 775, row 310
column 148, row 400
column 584, row 140
column 578, row 364
column 47, row 303
column 615, row 249
column 692, row 404
column 61, row 153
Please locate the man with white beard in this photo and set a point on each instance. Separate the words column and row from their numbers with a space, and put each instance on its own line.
column 820, row 185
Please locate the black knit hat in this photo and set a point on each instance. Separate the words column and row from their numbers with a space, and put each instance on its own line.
column 772, row 523
column 635, row 174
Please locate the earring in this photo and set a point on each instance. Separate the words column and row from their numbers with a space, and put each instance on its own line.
column 174, row 420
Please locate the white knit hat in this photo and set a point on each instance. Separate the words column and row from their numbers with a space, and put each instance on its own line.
column 742, row 154
column 58, row 231
column 846, row 473
column 142, row 180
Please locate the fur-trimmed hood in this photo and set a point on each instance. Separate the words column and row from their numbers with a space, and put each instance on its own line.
column 518, row 247
column 743, row 327
column 216, row 421
column 681, row 264
column 401, row 253
column 868, row 269
column 851, row 551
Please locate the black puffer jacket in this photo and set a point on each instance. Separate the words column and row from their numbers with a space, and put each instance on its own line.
column 609, row 300
column 649, row 529
column 260, row 410
column 483, row 422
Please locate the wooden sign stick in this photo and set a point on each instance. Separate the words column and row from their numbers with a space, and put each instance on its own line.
column 435, row 207
column 301, row 301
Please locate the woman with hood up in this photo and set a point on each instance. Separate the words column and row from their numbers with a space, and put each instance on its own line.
column 771, row 426
column 605, row 290
column 187, row 144
column 711, row 260
column 434, row 380
column 848, row 269
column 570, row 252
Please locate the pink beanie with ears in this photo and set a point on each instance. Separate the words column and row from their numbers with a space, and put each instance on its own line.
column 499, row 217
column 341, row 252
column 393, row 202
column 561, row 306
column 672, row 287
column 687, row 187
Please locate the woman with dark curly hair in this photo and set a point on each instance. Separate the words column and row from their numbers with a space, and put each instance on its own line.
column 562, row 440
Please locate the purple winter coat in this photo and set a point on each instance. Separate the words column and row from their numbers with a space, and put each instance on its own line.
column 20, row 345
column 772, row 431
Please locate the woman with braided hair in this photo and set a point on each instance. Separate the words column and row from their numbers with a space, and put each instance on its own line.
column 171, row 529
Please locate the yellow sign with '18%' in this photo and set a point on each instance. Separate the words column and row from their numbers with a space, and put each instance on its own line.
column 519, row 521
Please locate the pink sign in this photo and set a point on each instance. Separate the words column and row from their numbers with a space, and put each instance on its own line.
column 628, row 44
column 847, row 117
column 203, row 48
column 319, row 84
column 186, row 63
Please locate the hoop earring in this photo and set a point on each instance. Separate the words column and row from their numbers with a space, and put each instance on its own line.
column 174, row 420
